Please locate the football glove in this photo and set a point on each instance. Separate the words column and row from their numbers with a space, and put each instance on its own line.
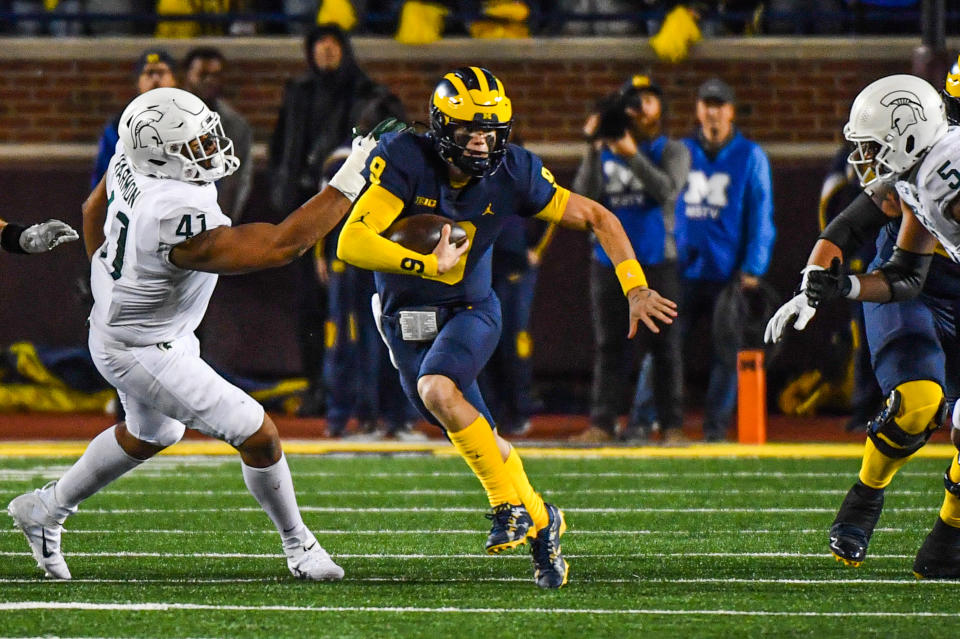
column 798, row 307
column 46, row 236
column 349, row 179
column 824, row 286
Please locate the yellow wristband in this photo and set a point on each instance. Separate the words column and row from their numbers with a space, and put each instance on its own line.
column 630, row 275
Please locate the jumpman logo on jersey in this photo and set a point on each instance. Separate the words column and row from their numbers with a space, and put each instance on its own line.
column 488, row 210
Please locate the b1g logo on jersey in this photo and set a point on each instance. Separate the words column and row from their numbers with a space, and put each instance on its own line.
column 705, row 197
column 906, row 111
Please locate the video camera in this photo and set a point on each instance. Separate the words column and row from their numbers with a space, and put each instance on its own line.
column 614, row 119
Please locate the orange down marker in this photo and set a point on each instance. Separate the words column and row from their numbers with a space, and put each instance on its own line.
column 751, row 398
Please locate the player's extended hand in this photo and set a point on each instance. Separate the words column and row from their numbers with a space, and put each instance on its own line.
column 823, row 286
column 349, row 178
column 645, row 306
column 798, row 308
column 46, row 236
column 448, row 254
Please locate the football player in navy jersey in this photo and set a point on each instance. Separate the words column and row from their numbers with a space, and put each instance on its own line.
column 438, row 313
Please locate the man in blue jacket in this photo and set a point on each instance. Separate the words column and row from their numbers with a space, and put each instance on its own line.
column 725, row 234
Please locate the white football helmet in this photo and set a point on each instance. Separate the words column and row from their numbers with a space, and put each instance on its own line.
column 893, row 122
column 170, row 133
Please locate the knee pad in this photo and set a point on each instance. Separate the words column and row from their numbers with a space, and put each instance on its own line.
column 913, row 412
column 951, row 486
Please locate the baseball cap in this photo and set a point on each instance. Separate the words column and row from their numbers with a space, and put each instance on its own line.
column 154, row 56
column 716, row 89
column 640, row 82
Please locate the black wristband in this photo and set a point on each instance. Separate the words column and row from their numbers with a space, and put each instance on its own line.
column 10, row 238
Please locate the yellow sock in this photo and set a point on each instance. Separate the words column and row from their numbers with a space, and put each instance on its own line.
column 477, row 446
column 877, row 470
column 950, row 511
column 527, row 495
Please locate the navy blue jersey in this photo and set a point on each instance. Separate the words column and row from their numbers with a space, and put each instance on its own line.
column 408, row 166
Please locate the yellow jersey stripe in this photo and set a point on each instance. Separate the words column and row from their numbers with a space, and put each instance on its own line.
column 362, row 245
column 554, row 209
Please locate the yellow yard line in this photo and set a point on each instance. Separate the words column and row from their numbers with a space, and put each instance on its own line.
column 443, row 448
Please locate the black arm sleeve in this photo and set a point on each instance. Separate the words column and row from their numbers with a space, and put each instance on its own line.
column 905, row 272
column 10, row 237
column 855, row 225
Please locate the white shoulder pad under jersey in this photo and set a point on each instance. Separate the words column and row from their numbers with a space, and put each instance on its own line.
column 932, row 187
column 141, row 298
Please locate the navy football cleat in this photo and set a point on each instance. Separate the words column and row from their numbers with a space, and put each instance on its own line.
column 550, row 570
column 854, row 524
column 511, row 527
column 939, row 556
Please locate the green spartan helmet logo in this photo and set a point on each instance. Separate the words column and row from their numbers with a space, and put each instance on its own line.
column 906, row 112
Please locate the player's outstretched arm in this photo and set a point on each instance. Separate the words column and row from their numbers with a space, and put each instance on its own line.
column 646, row 305
column 858, row 223
column 899, row 278
column 253, row 247
column 38, row 238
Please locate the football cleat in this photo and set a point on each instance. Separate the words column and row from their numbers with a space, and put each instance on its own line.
column 939, row 556
column 308, row 560
column 32, row 514
column 511, row 527
column 854, row 524
column 550, row 569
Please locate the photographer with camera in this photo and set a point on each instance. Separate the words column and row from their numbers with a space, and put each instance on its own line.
column 637, row 172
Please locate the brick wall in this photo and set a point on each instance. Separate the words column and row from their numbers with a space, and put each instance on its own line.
column 800, row 91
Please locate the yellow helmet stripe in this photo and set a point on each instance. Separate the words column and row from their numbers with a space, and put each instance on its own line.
column 457, row 84
column 481, row 79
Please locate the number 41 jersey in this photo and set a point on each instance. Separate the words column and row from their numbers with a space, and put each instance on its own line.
column 140, row 298
column 932, row 186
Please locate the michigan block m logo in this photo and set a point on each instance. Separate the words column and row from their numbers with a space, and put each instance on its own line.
column 711, row 191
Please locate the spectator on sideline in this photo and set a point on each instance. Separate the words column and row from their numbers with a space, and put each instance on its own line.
column 318, row 112
column 154, row 69
column 358, row 376
column 637, row 172
column 203, row 76
column 725, row 235
column 507, row 380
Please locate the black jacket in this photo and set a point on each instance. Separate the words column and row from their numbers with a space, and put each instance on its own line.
column 319, row 110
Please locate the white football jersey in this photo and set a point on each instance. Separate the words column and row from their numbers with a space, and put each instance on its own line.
column 140, row 298
column 932, row 187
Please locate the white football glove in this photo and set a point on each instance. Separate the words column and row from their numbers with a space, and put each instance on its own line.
column 798, row 307
column 46, row 236
column 349, row 179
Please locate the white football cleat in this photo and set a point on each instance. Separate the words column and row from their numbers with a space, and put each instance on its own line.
column 310, row 561
column 32, row 514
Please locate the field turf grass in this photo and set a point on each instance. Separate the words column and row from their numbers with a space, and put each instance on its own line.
column 697, row 547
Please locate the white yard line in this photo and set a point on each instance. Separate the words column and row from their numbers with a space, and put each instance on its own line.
column 642, row 555
column 420, row 532
column 192, row 474
column 430, row 492
column 907, row 581
column 166, row 606
column 467, row 509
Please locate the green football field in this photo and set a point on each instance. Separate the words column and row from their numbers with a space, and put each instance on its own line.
column 662, row 547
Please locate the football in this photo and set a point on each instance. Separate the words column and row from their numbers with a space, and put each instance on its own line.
column 421, row 232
